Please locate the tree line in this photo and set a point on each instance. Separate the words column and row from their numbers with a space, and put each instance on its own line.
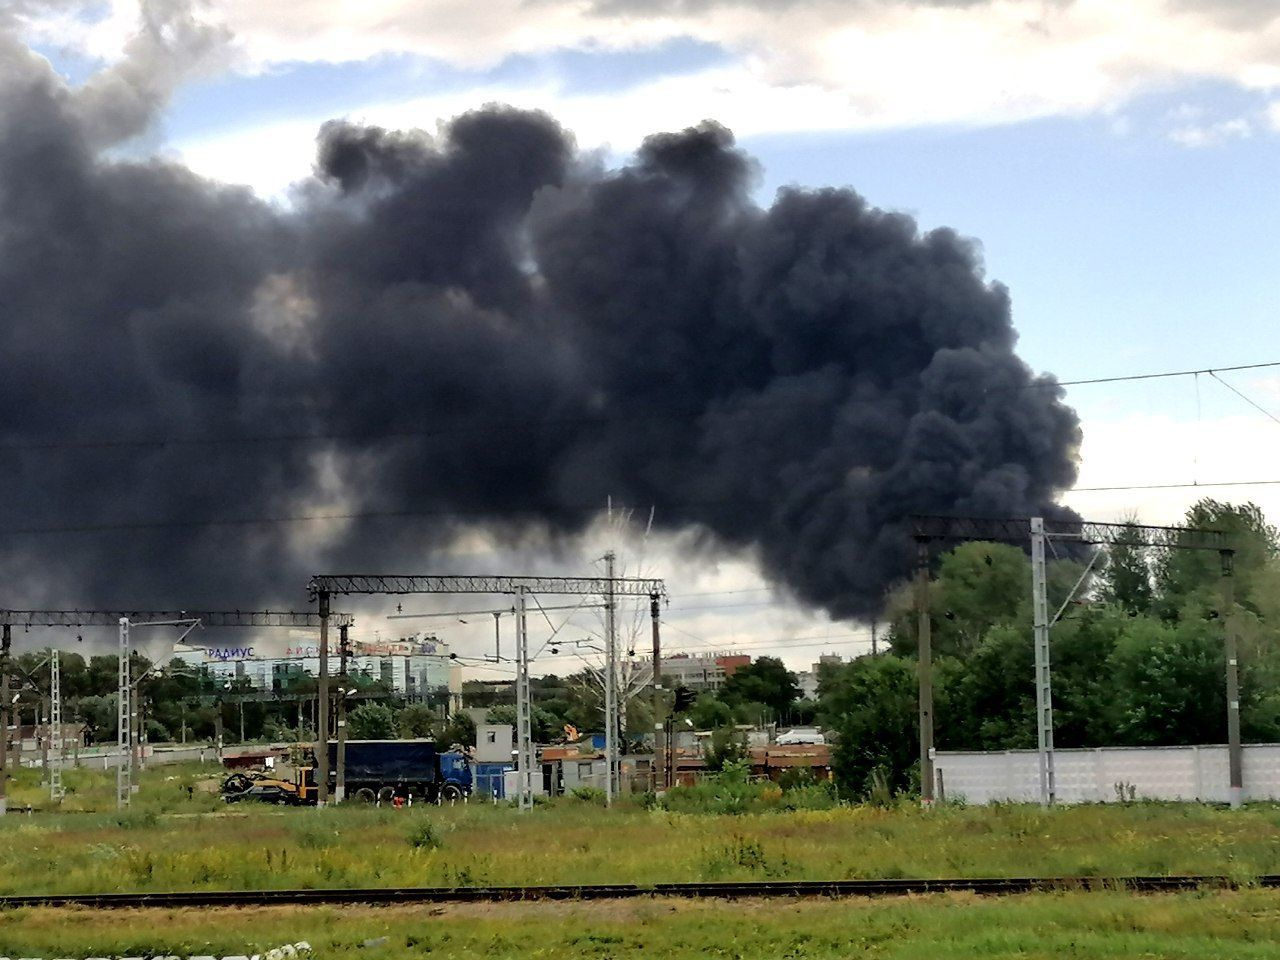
column 1138, row 657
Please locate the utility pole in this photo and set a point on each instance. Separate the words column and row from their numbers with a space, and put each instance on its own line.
column 6, row 641
column 610, row 682
column 45, row 710
column 340, row 790
column 924, row 641
column 875, row 648
column 124, row 724
column 1235, row 753
column 524, row 710
column 55, row 724
column 1044, row 684
column 322, row 705
column 659, row 731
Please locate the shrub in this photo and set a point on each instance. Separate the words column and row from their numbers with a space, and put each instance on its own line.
column 588, row 795
column 424, row 836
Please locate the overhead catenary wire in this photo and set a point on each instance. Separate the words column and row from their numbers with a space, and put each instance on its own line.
column 489, row 424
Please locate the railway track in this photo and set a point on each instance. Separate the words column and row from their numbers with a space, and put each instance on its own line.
column 992, row 886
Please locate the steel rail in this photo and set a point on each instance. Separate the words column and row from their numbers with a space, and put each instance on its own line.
column 989, row 886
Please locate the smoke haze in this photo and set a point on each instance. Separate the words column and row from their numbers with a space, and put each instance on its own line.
column 477, row 326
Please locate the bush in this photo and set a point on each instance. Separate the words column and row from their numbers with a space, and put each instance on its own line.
column 588, row 795
column 424, row 836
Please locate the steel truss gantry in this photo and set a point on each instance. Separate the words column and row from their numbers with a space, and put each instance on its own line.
column 126, row 692
column 349, row 583
column 1040, row 532
column 322, row 587
column 207, row 618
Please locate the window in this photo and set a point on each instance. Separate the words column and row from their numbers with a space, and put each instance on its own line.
column 584, row 770
column 493, row 736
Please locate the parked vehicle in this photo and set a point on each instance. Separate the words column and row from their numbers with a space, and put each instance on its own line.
column 801, row 735
column 375, row 770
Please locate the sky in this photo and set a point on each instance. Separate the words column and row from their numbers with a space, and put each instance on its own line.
column 1116, row 162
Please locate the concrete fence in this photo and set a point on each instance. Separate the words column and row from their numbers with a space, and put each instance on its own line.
column 1100, row 774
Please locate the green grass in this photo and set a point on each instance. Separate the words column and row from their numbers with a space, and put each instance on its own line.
column 172, row 842
column 1206, row 926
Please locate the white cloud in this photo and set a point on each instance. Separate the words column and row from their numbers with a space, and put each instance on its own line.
column 1211, row 134
column 818, row 64
column 1161, row 449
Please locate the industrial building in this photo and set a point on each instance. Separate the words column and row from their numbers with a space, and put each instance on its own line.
column 414, row 669
column 701, row 671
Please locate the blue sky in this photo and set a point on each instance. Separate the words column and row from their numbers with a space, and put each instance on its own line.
column 1117, row 163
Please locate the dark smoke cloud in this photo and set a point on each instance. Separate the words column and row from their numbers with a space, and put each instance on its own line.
column 539, row 334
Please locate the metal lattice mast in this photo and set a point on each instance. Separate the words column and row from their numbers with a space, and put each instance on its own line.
column 209, row 618
column 1044, row 685
column 1235, row 753
column 124, row 723
column 321, row 587
column 924, row 664
column 610, row 683
column 926, row 529
column 55, row 725
column 524, row 708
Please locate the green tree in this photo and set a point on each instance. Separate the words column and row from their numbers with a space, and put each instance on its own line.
column 727, row 746
column 371, row 721
column 871, row 705
column 709, row 712
column 1126, row 574
column 98, row 714
column 765, row 680
column 416, row 720
column 459, row 731
column 988, row 700
column 1188, row 582
column 544, row 726
column 1166, row 683
column 1083, row 693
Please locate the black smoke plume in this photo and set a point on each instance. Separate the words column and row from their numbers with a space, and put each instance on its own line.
column 481, row 326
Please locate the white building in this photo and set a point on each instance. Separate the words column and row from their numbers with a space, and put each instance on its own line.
column 415, row 669
column 701, row 671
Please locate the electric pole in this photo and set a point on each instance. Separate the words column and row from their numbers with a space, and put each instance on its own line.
column 1044, row 688
column 322, row 704
column 610, row 683
column 659, row 731
column 55, row 724
column 6, row 641
column 924, row 641
column 1235, row 757
column 524, row 709
column 124, row 723
column 340, row 790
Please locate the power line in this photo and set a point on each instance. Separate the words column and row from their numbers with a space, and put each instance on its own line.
column 1261, row 409
column 1176, row 486
column 490, row 424
column 1158, row 376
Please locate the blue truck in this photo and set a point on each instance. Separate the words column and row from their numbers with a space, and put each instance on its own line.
column 381, row 770
column 385, row 769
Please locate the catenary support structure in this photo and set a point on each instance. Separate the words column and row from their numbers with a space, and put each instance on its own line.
column 323, row 586
column 1040, row 533
column 125, row 707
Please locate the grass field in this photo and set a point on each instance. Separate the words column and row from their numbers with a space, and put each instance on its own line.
column 175, row 838
column 1207, row 926
column 171, row 841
